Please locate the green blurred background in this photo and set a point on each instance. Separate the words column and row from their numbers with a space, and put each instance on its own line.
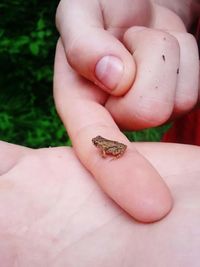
column 27, row 45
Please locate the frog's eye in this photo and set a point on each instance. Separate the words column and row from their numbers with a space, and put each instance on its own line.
column 95, row 142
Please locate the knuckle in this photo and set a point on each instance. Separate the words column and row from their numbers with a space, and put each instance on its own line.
column 166, row 40
column 154, row 113
column 77, row 43
column 74, row 47
column 139, row 36
column 184, row 104
column 190, row 37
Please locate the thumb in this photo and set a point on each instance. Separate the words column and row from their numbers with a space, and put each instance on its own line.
column 92, row 50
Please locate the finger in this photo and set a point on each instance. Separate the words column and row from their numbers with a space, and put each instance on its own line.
column 150, row 101
column 188, row 74
column 9, row 156
column 130, row 181
column 93, row 49
column 198, row 100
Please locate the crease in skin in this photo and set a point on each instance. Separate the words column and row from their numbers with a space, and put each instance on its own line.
column 126, row 249
column 27, row 228
column 13, row 158
column 99, row 127
column 93, row 192
column 93, row 124
column 99, row 99
column 79, row 208
column 101, row 8
column 30, row 229
column 61, row 232
column 11, row 167
column 151, row 120
column 85, row 236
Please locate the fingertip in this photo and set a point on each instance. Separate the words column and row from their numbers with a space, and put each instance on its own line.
column 101, row 58
column 115, row 73
column 137, row 188
column 153, row 201
column 148, row 206
column 153, row 210
column 109, row 71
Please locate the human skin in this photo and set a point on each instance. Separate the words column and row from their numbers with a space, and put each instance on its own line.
column 159, row 81
column 139, row 33
column 135, row 185
column 52, row 213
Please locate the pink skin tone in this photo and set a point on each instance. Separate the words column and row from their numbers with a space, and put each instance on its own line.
column 52, row 211
column 158, row 80
column 54, row 214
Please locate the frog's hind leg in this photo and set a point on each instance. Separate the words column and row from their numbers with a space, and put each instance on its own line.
column 103, row 153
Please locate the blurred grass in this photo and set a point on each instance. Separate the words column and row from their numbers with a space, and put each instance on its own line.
column 27, row 46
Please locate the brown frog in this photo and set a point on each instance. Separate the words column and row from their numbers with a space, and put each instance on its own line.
column 109, row 147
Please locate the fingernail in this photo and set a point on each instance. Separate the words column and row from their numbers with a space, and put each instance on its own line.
column 109, row 71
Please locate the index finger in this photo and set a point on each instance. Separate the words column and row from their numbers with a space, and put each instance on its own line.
column 131, row 181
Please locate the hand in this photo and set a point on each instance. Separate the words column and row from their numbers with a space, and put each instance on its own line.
column 53, row 213
column 164, row 86
column 131, row 181
column 150, row 72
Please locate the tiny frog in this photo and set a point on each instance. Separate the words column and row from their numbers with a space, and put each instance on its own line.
column 109, row 147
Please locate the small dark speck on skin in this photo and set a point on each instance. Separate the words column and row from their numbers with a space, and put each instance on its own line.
column 177, row 71
column 164, row 38
column 163, row 57
column 156, row 87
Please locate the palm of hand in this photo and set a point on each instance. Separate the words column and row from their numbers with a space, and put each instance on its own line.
column 53, row 213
